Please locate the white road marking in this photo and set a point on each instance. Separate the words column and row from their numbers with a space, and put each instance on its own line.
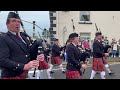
column 31, row 71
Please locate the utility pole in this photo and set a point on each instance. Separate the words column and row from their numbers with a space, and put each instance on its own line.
column 45, row 33
column 33, row 29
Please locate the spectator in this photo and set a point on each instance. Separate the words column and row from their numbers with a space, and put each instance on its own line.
column 114, row 47
column 119, row 47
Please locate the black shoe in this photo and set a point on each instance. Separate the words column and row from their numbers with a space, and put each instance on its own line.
column 51, row 78
column 97, row 73
column 111, row 73
column 63, row 71
column 52, row 72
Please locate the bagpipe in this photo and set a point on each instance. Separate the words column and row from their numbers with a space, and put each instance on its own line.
column 107, row 48
column 47, row 50
column 42, row 64
column 84, row 56
column 47, row 53
column 62, row 48
column 84, row 53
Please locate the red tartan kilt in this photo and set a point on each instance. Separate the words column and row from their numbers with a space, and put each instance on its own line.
column 105, row 61
column 73, row 75
column 24, row 75
column 98, row 64
column 56, row 60
column 43, row 65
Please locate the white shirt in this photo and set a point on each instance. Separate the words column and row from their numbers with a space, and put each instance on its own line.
column 115, row 46
column 74, row 44
column 98, row 40
column 14, row 33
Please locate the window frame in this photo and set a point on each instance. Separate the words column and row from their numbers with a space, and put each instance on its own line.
column 85, row 22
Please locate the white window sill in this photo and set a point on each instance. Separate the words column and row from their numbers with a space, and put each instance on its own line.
column 85, row 22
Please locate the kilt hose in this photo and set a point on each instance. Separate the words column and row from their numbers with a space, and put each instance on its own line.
column 73, row 74
column 24, row 75
column 56, row 60
column 98, row 64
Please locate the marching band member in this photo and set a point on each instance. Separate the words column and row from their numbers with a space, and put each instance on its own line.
column 15, row 56
column 73, row 58
column 106, row 50
column 55, row 58
column 98, row 54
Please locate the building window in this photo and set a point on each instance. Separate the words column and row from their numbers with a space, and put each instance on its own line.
column 85, row 17
column 51, row 29
column 53, row 25
column 52, row 18
column 52, row 32
column 51, row 14
column 51, row 21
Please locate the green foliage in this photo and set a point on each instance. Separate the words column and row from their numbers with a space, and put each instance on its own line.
column 37, row 38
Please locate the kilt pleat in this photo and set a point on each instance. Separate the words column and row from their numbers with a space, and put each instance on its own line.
column 73, row 75
column 98, row 64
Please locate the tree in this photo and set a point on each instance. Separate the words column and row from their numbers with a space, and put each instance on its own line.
column 37, row 38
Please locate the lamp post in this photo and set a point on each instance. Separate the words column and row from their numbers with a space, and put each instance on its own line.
column 34, row 24
column 45, row 33
column 33, row 29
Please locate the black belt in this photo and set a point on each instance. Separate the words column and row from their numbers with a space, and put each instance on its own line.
column 72, row 64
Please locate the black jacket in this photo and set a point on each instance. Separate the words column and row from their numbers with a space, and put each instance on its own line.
column 56, row 50
column 73, row 58
column 14, row 54
column 98, row 49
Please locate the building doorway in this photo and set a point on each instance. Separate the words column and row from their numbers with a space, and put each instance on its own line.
column 85, row 36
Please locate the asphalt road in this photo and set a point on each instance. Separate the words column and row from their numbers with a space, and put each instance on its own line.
column 59, row 75
column 114, row 68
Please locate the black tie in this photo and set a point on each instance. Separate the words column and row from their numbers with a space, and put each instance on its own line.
column 18, row 35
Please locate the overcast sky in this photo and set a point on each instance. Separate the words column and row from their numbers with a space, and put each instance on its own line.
column 41, row 18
